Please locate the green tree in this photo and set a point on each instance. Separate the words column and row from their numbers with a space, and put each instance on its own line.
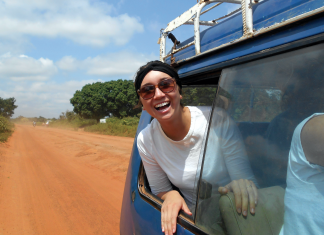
column 198, row 96
column 70, row 115
column 90, row 102
column 97, row 100
column 41, row 119
column 121, row 98
column 7, row 107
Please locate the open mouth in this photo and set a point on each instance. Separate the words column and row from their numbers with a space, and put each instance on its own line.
column 162, row 106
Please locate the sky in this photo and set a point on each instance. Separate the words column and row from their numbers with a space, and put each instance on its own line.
column 51, row 48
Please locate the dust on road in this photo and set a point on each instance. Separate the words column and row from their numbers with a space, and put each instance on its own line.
column 55, row 181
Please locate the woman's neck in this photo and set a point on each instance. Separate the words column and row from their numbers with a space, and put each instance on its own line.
column 178, row 128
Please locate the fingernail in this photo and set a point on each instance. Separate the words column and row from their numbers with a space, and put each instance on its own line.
column 162, row 229
column 244, row 213
column 224, row 190
column 256, row 202
column 252, row 210
column 239, row 210
column 173, row 230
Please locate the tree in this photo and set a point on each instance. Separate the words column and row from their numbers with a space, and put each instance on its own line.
column 70, row 115
column 90, row 102
column 98, row 100
column 121, row 98
column 7, row 107
column 41, row 119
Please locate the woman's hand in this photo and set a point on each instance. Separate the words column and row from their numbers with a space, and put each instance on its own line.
column 173, row 203
column 245, row 193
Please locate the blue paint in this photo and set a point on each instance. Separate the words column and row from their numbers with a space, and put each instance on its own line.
column 265, row 14
column 308, row 29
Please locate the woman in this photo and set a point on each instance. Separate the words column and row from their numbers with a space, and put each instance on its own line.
column 170, row 145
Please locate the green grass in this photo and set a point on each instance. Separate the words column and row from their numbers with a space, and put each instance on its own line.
column 114, row 126
column 74, row 124
column 6, row 129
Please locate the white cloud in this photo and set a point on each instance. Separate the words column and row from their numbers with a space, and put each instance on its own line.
column 113, row 64
column 24, row 68
column 68, row 63
column 47, row 99
column 83, row 21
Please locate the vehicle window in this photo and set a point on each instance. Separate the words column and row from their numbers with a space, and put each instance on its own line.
column 198, row 95
column 250, row 137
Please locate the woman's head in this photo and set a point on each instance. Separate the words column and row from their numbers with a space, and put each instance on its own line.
column 155, row 65
column 160, row 90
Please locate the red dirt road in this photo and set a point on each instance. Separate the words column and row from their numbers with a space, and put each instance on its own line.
column 55, row 181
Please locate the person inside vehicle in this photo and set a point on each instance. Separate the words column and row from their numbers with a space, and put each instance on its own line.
column 300, row 100
column 171, row 144
column 304, row 197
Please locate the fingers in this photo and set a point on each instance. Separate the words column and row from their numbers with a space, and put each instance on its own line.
column 166, row 219
column 237, row 195
column 224, row 190
column 169, row 220
column 162, row 219
column 251, row 195
column 245, row 193
column 186, row 209
column 254, row 188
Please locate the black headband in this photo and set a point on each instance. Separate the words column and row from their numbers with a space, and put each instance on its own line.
column 156, row 66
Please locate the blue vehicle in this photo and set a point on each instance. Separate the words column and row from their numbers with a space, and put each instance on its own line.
column 264, row 65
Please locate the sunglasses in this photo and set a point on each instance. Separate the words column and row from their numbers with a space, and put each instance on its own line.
column 166, row 85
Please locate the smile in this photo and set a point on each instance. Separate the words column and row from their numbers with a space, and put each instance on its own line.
column 162, row 106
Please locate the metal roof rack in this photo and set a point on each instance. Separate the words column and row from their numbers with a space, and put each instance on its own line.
column 192, row 17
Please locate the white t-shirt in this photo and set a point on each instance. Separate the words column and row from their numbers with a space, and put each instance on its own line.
column 304, row 197
column 166, row 160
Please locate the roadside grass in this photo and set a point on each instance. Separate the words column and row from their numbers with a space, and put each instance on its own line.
column 73, row 124
column 6, row 129
column 114, row 126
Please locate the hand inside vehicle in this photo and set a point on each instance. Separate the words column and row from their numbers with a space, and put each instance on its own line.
column 245, row 193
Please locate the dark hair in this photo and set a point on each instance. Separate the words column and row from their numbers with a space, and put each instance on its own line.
column 155, row 65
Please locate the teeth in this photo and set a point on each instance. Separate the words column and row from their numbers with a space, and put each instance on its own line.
column 162, row 104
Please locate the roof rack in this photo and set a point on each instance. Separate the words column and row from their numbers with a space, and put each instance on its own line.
column 192, row 17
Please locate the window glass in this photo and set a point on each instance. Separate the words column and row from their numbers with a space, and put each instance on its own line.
column 198, row 95
column 250, row 137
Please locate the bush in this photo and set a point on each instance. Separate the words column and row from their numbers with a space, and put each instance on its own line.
column 75, row 123
column 6, row 129
column 114, row 126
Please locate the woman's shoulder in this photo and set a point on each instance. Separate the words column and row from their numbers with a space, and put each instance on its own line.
column 199, row 110
column 147, row 133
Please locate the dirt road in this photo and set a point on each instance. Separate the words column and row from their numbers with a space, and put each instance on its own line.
column 56, row 181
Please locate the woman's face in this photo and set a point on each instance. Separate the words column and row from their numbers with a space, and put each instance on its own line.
column 163, row 106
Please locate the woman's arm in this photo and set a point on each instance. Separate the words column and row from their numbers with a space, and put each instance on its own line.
column 312, row 139
column 243, row 183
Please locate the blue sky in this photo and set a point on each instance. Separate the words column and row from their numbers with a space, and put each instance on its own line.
column 51, row 48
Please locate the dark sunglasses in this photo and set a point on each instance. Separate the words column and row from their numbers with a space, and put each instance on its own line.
column 166, row 85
